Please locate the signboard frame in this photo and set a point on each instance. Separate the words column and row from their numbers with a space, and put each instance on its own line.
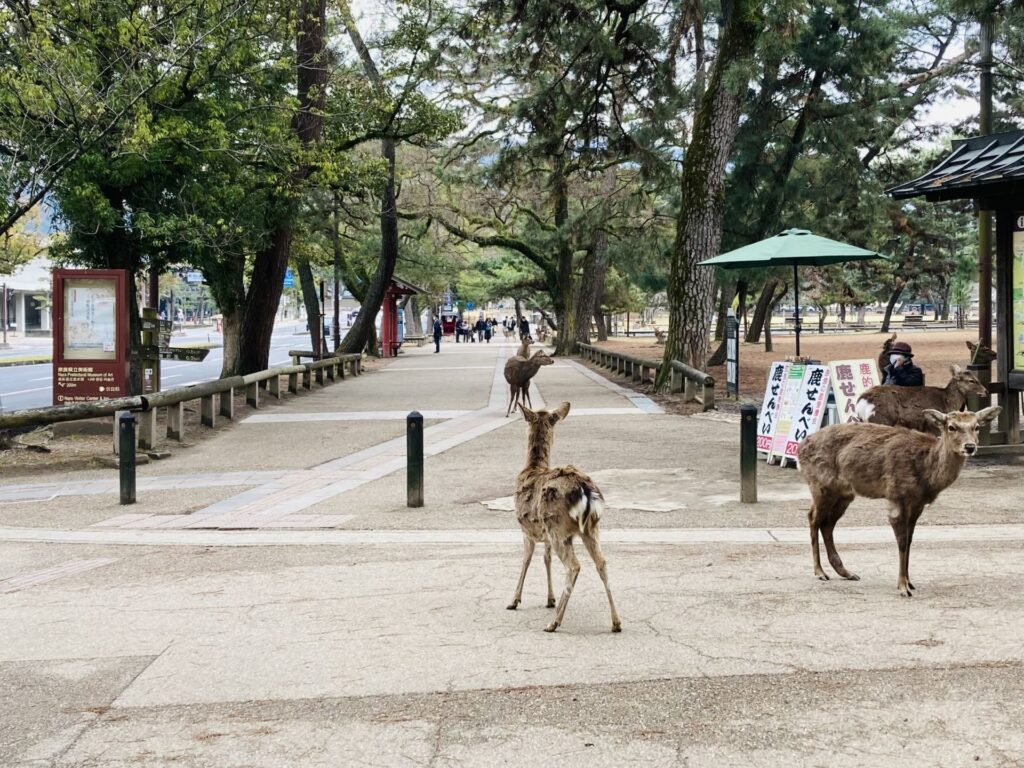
column 810, row 409
column 769, row 419
column 78, row 377
column 784, row 416
column 864, row 375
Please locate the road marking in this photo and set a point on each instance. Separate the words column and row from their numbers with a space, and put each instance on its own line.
column 43, row 378
column 25, row 391
column 18, row 583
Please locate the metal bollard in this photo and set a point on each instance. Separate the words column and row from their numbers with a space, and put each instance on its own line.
column 748, row 454
column 414, row 459
column 126, row 456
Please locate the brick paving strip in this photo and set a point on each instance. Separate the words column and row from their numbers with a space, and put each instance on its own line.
column 70, row 568
column 640, row 536
column 47, row 491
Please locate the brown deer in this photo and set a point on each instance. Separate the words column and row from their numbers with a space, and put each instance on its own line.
column 524, row 347
column 883, row 356
column 909, row 469
column 660, row 337
column 980, row 354
column 905, row 406
column 553, row 506
column 518, row 372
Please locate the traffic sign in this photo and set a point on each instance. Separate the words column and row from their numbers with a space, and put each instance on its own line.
column 289, row 278
column 193, row 277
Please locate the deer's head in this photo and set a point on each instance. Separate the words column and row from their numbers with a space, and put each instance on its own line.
column 887, row 344
column 959, row 429
column 980, row 354
column 540, row 357
column 542, row 427
column 966, row 383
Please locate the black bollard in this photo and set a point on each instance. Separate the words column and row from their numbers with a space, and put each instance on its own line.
column 748, row 454
column 126, row 455
column 414, row 459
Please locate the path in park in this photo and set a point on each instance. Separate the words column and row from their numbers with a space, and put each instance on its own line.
column 270, row 600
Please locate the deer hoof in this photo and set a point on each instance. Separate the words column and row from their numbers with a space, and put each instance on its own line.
column 616, row 627
column 910, row 586
column 551, row 602
column 551, row 627
column 904, row 591
column 822, row 576
column 512, row 607
column 854, row 577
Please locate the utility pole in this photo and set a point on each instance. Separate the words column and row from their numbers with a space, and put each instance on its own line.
column 3, row 317
column 985, row 217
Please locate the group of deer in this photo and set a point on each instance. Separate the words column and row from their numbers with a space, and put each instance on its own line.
column 910, row 445
column 909, row 461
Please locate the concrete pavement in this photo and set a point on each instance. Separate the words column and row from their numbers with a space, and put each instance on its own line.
column 339, row 628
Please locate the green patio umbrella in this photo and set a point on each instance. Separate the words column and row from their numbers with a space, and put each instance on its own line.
column 792, row 247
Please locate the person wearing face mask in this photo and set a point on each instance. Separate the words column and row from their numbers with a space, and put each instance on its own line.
column 901, row 370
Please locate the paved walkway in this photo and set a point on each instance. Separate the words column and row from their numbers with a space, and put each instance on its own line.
column 270, row 601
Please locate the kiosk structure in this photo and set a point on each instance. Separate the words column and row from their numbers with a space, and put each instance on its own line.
column 990, row 170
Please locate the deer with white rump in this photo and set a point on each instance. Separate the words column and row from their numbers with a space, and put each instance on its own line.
column 553, row 506
column 909, row 469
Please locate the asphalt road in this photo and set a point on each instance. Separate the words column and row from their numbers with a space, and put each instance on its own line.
column 31, row 386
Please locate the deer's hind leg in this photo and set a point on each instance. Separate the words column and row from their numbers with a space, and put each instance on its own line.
column 513, row 398
column 547, row 567
column 528, row 545
column 814, row 522
column 566, row 553
column 912, row 524
column 836, row 510
column 593, row 545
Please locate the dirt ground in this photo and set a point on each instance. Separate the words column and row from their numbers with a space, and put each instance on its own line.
column 934, row 352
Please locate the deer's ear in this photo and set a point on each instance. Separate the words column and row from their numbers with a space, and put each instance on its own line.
column 985, row 415
column 971, row 346
column 529, row 415
column 956, row 369
column 936, row 417
column 560, row 412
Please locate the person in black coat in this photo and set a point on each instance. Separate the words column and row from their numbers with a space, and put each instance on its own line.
column 437, row 335
column 524, row 328
column 901, row 370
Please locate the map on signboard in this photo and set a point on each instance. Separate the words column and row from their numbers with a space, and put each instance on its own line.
column 770, row 406
column 851, row 379
column 810, row 408
column 790, row 395
column 90, row 319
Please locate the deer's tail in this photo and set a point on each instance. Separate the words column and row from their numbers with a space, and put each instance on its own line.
column 587, row 504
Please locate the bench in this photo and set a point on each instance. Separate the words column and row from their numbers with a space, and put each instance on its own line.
column 913, row 319
column 418, row 340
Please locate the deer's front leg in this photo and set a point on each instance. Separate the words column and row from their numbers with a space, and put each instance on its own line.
column 528, row 546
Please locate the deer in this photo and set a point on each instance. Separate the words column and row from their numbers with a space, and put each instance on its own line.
column 524, row 347
column 980, row 354
column 909, row 469
column 883, row 356
column 518, row 372
column 905, row 406
column 554, row 505
column 660, row 337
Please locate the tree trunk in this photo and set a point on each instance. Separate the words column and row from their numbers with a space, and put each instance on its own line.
column 267, row 279
column 563, row 292
column 724, row 302
column 413, row 324
column 602, row 325
column 764, row 304
column 775, row 299
column 312, row 303
column 231, row 324
column 893, row 298
column 699, row 225
column 595, row 264
column 822, row 314
column 842, row 312
column 364, row 331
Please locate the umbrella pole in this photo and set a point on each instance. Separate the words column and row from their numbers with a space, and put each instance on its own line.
column 796, row 308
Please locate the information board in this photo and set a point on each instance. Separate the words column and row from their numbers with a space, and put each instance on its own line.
column 1017, row 291
column 810, row 408
column 851, row 379
column 787, row 409
column 770, row 406
column 90, row 344
column 732, row 354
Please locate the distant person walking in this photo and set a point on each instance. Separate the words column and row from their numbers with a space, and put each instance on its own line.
column 480, row 327
column 438, row 331
column 901, row 370
column 488, row 330
column 524, row 328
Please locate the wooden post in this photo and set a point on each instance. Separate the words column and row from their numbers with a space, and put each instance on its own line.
column 319, row 376
column 274, row 387
column 126, row 463
column 227, row 404
column 252, row 394
column 176, row 422
column 293, row 383
column 147, row 429
column 414, row 459
column 208, row 411
column 307, row 379
column 748, row 454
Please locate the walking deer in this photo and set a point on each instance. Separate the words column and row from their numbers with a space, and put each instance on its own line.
column 553, row 506
column 518, row 373
column 909, row 469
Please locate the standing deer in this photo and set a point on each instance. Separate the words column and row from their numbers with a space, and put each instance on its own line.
column 909, row 469
column 524, row 347
column 906, row 406
column 518, row 372
column 554, row 505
